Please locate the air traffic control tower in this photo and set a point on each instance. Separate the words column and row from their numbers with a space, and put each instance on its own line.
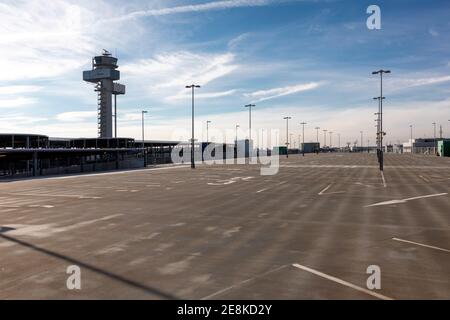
column 104, row 72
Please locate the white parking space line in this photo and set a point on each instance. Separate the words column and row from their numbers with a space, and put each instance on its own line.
column 242, row 283
column 103, row 174
column 390, row 202
column 325, row 190
column 262, row 190
column 421, row 244
column 52, row 195
column 342, row 282
column 384, row 179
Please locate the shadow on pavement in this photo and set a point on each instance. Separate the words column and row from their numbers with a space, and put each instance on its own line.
column 137, row 285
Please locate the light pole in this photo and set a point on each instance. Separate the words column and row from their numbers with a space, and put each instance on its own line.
column 412, row 144
column 362, row 143
column 237, row 127
column 115, row 117
column 339, row 141
column 317, row 129
column 379, row 133
column 193, row 87
column 287, row 135
column 207, row 131
column 143, row 138
column 331, row 139
column 250, row 106
column 435, row 147
column 143, row 128
column 303, row 137
column 381, row 72
column 325, row 138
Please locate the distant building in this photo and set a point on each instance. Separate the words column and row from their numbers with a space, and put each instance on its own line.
column 422, row 146
column 444, row 148
column 311, row 147
column 282, row 150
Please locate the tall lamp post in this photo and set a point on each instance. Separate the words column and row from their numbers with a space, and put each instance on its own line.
column 143, row 137
column 435, row 147
column 303, row 137
column 378, row 120
column 193, row 87
column 237, row 127
column 287, row 135
column 339, row 141
column 207, row 131
column 331, row 139
column 250, row 106
column 412, row 144
column 325, row 138
column 143, row 128
column 362, row 141
column 381, row 73
column 317, row 132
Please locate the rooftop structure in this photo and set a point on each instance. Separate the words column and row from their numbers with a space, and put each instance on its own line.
column 104, row 72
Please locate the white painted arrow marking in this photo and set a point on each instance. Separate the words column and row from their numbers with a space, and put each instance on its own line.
column 386, row 203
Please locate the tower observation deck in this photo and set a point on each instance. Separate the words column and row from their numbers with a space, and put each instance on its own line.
column 104, row 72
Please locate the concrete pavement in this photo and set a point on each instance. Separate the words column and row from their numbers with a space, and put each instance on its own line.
column 226, row 232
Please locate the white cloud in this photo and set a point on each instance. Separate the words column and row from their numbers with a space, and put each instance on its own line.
column 233, row 43
column 433, row 32
column 423, row 81
column 76, row 116
column 47, row 39
column 167, row 74
column 209, row 95
column 9, row 90
column 181, row 68
column 16, row 102
column 264, row 95
column 208, row 6
column 346, row 121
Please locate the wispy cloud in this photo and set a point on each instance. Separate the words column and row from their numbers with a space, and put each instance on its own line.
column 263, row 95
column 208, row 6
column 423, row 81
column 412, row 82
column 169, row 73
column 47, row 39
column 8, row 90
column 16, row 102
column 209, row 95
column 181, row 68
column 76, row 116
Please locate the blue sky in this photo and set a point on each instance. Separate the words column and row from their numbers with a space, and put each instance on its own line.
column 311, row 60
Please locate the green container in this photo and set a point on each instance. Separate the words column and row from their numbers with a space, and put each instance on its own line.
column 281, row 150
column 444, row 148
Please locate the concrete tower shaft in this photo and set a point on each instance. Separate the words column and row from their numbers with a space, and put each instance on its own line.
column 104, row 74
